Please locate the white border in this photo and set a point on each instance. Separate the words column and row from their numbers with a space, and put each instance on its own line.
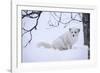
column 17, row 66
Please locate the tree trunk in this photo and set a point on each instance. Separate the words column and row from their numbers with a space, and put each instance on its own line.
column 86, row 29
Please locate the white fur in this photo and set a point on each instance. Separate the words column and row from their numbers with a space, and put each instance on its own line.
column 64, row 41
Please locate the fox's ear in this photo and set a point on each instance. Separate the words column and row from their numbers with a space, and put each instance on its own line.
column 69, row 29
column 78, row 30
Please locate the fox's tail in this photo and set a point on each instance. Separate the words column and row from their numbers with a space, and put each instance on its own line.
column 45, row 45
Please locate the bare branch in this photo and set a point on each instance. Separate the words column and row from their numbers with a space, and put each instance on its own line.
column 74, row 18
column 38, row 13
column 29, row 40
column 58, row 19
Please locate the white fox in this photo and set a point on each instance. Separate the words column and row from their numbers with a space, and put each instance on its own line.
column 64, row 41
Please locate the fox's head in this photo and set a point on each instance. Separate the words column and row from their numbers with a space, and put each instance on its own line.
column 74, row 31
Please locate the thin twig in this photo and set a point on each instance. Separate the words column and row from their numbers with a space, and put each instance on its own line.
column 35, row 27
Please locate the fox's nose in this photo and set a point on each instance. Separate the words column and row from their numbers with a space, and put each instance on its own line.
column 73, row 35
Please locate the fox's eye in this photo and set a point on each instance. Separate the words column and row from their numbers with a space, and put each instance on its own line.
column 75, row 32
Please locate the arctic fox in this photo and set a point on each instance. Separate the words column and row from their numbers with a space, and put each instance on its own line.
column 64, row 41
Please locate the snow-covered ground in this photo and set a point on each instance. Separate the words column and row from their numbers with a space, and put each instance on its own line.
column 31, row 53
column 44, row 54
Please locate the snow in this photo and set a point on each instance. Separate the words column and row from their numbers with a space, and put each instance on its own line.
column 45, row 33
column 44, row 54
